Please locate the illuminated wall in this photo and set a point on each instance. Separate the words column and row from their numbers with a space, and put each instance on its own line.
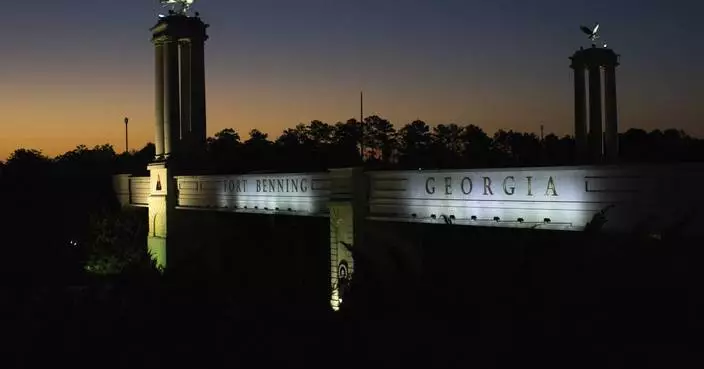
column 303, row 194
column 561, row 198
column 160, row 210
column 653, row 198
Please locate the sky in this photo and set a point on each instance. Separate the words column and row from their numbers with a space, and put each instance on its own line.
column 72, row 70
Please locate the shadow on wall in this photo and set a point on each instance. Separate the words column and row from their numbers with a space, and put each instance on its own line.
column 445, row 268
column 281, row 259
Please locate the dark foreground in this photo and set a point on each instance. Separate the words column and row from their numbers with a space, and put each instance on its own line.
column 562, row 306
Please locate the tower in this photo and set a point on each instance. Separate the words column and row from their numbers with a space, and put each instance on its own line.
column 595, row 142
column 179, row 42
column 180, row 133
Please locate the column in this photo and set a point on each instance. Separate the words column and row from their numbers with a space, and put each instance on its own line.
column 595, row 130
column 160, row 193
column 611, row 149
column 159, row 103
column 580, row 111
column 184, row 56
column 172, row 126
column 198, row 117
column 348, row 209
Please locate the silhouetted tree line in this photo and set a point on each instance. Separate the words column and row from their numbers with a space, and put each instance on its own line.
column 376, row 144
column 50, row 206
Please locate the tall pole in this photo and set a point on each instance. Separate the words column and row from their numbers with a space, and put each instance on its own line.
column 127, row 147
column 542, row 133
column 361, row 124
column 361, row 106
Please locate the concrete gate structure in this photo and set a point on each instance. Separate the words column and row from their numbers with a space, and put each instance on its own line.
column 554, row 198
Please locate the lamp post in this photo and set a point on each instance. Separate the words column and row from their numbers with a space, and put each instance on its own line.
column 127, row 148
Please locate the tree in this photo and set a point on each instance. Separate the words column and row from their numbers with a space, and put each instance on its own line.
column 501, row 148
column 117, row 243
column 135, row 162
column 414, row 145
column 27, row 169
column 526, row 148
column 347, row 143
column 379, row 138
column 558, row 151
column 477, row 147
column 228, row 135
column 634, row 145
column 296, row 136
column 295, row 149
column 223, row 150
column 320, row 133
column 27, row 158
column 258, row 151
column 257, row 138
column 448, row 145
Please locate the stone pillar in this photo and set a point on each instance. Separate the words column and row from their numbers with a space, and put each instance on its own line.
column 162, row 201
column 198, row 108
column 184, row 56
column 172, row 111
column 611, row 123
column 179, row 67
column 159, row 100
column 348, row 210
column 596, row 138
column 580, row 111
column 180, row 42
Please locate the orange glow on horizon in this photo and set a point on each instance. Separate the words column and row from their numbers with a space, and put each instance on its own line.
column 57, row 116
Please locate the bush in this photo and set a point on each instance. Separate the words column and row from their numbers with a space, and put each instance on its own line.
column 117, row 244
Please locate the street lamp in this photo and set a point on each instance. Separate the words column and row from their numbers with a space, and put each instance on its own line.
column 127, row 148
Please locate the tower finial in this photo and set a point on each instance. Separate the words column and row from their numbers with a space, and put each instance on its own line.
column 178, row 6
column 593, row 34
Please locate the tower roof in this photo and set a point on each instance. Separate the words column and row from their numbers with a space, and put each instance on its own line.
column 594, row 56
column 178, row 26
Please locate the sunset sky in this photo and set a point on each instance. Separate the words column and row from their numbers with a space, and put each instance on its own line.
column 72, row 70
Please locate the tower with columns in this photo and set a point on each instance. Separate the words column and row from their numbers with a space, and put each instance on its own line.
column 179, row 41
column 595, row 124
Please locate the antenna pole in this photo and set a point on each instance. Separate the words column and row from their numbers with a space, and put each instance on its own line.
column 542, row 132
column 361, row 122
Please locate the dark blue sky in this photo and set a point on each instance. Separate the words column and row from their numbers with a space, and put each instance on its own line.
column 73, row 69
